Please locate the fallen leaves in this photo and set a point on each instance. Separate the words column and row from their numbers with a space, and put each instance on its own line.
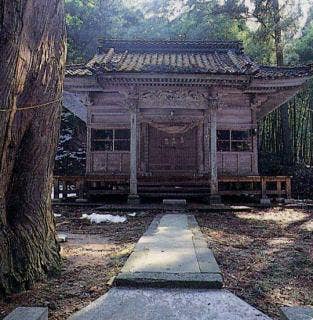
column 266, row 256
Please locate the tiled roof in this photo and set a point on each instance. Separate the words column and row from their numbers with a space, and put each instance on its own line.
column 77, row 70
column 284, row 72
column 198, row 57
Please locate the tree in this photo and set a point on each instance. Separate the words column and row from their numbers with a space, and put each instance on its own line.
column 87, row 20
column 32, row 49
column 277, row 21
column 270, row 14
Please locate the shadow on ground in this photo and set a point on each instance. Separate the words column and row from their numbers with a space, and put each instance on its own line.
column 265, row 256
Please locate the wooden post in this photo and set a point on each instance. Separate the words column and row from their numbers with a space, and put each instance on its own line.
column 254, row 165
column 278, row 187
column 288, row 188
column 80, row 190
column 200, row 133
column 56, row 194
column 133, row 197
column 263, row 185
column 206, row 142
column 265, row 201
column 89, row 154
column 215, row 197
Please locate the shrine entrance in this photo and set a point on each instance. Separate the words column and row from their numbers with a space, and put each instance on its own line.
column 173, row 149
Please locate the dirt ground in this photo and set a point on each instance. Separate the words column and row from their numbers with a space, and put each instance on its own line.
column 91, row 256
column 266, row 257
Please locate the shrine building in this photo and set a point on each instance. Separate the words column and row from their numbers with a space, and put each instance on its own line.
column 178, row 117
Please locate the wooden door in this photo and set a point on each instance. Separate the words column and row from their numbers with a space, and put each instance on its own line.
column 172, row 152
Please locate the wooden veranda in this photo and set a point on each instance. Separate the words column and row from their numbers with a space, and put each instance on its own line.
column 92, row 185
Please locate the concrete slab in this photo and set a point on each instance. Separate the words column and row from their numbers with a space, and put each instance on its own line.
column 172, row 253
column 29, row 313
column 175, row 202
column 266, row 202
column 169, row 304
column 297, row 313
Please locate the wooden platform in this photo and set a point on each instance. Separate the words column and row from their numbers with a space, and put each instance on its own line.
column 183, row 186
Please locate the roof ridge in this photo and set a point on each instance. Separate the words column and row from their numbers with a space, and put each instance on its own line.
column 75, row 65
column 169, row 46
column 285, row 67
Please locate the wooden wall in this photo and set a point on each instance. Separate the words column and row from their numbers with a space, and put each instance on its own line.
column 108, row 110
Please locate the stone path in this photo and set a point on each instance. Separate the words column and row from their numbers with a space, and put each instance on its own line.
column 168, row 304
column 297, row 313
column 172, row 253
column 170, row 275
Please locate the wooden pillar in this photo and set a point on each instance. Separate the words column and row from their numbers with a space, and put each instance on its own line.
column 146, row 148
column 133, row 185
column 263, row 186
column 56, row 191
column 278, row 187
column 80, row 189
column 254, row 132
column 200, row 149
column 89, row 155
column 288, row 188
column 215, row 197
column 265, row 201
column 206, row 143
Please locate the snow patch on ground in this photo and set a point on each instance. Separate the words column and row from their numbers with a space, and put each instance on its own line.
column 132, row 214
column 98, row 218
column 57, row 215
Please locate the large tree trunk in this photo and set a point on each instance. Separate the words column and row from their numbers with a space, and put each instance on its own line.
column 32, row 50
column 284, row 110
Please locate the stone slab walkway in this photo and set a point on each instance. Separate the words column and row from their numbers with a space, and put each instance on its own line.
column 297, row 313
column 169, row 304
column 170, row 275
column 172, row 253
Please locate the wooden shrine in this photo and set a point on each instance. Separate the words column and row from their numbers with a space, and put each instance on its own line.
column 166, row 115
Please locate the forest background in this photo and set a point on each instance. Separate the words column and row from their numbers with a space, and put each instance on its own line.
column 274, row 32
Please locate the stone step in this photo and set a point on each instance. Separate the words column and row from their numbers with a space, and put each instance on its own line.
column 175, row 202
column 172, row 253
column 28, row 313
column 297, row 313
column 172, row 194
column 175, row 189
column 168, row 304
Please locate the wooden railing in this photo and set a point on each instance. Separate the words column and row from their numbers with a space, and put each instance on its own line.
column 259, row 185
column 263, row 186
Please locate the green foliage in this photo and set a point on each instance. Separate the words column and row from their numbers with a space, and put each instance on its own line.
column 304, row 45
column 267, row 28
column 87, row 20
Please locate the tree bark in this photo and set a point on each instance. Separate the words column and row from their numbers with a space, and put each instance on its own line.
column 32, row 50
column 284, row 110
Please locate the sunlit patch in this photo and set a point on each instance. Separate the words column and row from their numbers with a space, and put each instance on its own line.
column 280, row 241
column 85, row 250
column 307, row 226
column 278, row 244
column 285, row 217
